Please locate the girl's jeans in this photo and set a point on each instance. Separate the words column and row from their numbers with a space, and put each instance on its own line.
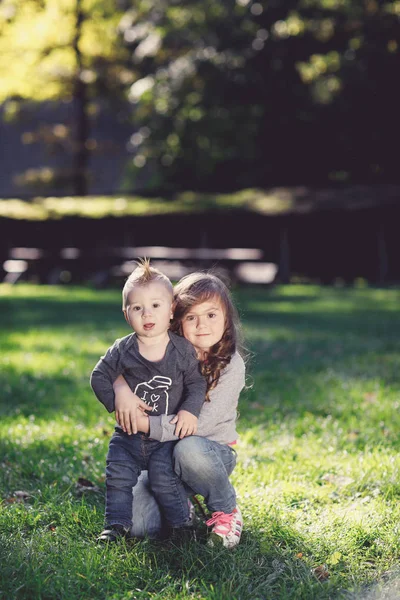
column 204, row 466
column 127, row 456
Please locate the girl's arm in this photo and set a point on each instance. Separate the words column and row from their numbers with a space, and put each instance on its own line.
column 217, row 417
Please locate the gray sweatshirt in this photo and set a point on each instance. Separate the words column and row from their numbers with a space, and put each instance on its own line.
column 168, row 385
column 217, row 420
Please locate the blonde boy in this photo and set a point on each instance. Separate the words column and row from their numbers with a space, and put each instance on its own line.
column 162, row 370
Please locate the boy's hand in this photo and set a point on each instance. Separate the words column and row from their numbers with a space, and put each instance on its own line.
column 186, row 424
column 126, row 406
column 142, row 421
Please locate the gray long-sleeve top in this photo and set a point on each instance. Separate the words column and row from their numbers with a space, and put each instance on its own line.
column 217, row 420
column 168, row 385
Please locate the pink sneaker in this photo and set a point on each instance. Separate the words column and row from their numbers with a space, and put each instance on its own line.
column 227, row 528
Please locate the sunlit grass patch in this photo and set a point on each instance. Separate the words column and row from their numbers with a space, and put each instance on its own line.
column 318, row 472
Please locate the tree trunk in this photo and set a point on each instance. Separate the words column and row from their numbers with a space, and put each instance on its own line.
column 81, row 130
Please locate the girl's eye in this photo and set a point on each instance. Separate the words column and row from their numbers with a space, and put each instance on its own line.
column 189, row 318
column 211, row 315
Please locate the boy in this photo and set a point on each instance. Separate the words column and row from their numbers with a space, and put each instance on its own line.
column 160, row 367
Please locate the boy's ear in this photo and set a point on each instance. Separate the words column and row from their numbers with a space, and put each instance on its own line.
column 126, row 316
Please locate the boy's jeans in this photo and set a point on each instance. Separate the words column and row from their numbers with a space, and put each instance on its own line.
column 127, row 456
column 204, row 466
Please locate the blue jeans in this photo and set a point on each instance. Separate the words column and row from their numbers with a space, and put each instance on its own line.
column 204, row 467
column 127, row 456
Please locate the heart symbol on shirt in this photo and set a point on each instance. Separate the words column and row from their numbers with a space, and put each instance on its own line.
column 154, row 397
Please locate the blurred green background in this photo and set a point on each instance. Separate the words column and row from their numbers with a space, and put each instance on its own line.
column 214, row 95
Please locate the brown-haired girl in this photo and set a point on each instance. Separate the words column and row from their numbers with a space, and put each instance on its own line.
column 205, row 315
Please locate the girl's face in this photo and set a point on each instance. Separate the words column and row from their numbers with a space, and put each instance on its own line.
column 204, row 325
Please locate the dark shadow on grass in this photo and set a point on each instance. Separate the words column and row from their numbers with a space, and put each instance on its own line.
column 25, row 313
column 264, row 565
column 47, row 397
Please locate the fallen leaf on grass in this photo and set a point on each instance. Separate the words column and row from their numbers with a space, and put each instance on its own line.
column 84, row 485
column 19, row 496
column 10, row 500
column 334, row 558
column 299, row 555
column 321, row 572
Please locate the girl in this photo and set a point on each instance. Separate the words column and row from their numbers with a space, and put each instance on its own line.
column 204, row 314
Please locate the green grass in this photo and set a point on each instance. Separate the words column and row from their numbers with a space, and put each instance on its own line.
column 318, row 474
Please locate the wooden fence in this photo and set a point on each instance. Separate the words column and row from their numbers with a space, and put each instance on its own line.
column 321, row 245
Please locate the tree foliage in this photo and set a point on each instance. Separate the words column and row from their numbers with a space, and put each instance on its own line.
column 241, row 93
column 62, row 50
column 37, row 57
column 224, row 94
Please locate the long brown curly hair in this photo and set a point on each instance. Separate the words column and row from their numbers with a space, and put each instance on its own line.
column 200, row 287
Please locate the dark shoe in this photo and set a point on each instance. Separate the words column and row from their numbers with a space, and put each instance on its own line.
column 181, row 535
column 112, row 533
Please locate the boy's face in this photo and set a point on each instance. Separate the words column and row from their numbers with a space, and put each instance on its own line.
column 149, row 309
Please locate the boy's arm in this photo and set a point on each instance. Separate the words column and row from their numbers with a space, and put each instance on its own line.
column 113, row 391
column 104, row 374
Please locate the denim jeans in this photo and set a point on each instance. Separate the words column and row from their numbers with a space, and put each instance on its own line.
column 169, row 491
column 204, row 467
column 127, row 456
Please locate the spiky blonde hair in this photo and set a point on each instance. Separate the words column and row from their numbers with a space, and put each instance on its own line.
column 141, row 276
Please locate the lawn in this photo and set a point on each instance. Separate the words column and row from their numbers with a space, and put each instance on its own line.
column 318, row 474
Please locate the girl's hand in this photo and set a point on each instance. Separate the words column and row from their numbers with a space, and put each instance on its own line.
column 186, row 424
column 126, row 406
